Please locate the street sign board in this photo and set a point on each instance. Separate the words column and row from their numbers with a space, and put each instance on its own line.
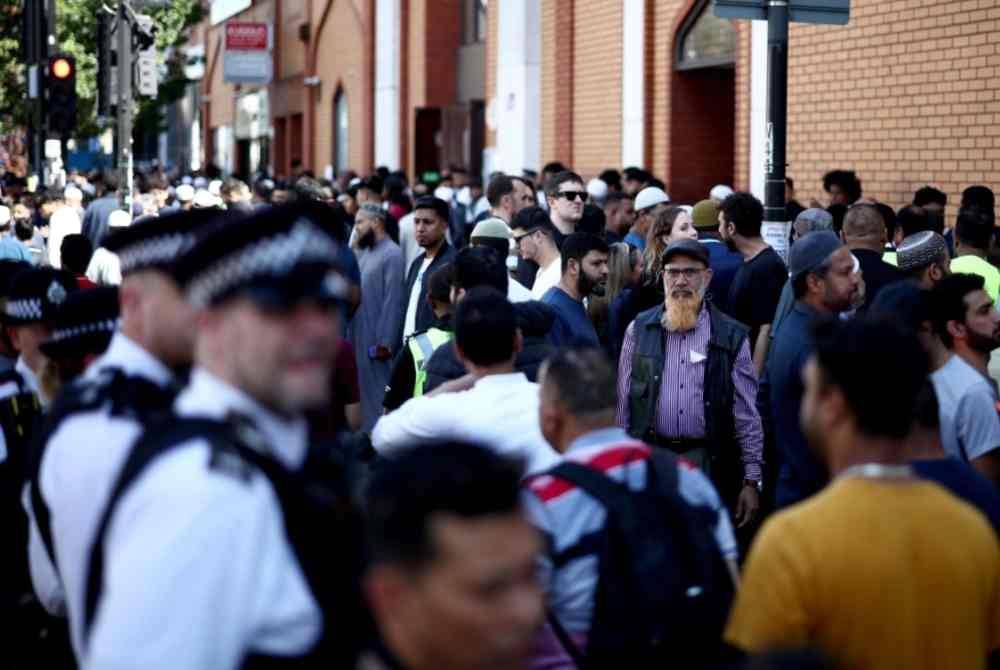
column 247, row 58
column 834, row 12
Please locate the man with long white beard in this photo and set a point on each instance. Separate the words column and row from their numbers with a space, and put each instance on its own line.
column 686, row 382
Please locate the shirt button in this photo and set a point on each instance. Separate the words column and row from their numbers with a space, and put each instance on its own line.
column 682, row 385
column 682, row 411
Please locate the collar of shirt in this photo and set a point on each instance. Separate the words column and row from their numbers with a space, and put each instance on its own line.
column 30, row 379
column 505, row 379
column 597, row 440
column 128, row 356
column 209, row 396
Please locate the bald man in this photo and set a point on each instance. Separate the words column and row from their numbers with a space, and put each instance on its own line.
column 864, row 235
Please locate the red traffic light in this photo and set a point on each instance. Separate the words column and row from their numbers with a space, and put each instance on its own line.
column 61, row 68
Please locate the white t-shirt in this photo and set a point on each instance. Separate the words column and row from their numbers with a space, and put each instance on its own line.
column 546, row 278
column 64, row 221
column 516, row 291
column 410, row 325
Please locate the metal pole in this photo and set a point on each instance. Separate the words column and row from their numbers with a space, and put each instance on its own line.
column 124, row 108
column 777, row 116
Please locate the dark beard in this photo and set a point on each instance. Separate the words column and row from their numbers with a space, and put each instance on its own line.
column 367, row 241
column 586, row 286
column 730, row 244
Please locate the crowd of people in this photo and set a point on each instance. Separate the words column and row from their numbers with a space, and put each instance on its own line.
column 554, row 422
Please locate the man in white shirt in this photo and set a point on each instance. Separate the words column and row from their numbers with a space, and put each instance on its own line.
column 492, row 406
column 538, row 244
column 63, row 220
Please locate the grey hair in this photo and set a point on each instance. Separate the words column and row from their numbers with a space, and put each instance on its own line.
column 373, row 210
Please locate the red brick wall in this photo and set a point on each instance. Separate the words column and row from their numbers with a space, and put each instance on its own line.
column 597, row 86
column 557, row 81
column 906, row 95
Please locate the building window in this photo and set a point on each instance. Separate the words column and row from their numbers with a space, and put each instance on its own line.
column 340, row 132
column 473, row 21
column 705, row 40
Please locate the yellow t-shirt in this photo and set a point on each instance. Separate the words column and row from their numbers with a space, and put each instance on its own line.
column 974, row 265
column 875, row 573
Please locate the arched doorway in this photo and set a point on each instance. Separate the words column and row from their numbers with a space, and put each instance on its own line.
column 341, row 132
column 703, row 104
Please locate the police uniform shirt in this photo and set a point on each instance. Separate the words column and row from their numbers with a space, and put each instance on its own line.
column 78, row 469
column 198, row 571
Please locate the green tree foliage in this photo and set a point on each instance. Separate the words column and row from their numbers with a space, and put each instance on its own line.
column 77, row 35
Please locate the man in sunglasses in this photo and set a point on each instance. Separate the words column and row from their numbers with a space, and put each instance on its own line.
column 686, row 382
column 566, row 195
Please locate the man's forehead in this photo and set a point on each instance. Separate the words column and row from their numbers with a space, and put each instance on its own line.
column 570, row 186
column 978, row 299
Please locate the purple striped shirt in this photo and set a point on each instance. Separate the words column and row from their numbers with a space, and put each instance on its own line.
column 680, row 411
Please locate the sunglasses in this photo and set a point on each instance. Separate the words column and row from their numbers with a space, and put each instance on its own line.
column 518, row 238
column 573, row 195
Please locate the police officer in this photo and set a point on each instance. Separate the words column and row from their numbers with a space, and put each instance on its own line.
column 32, row 299
column 409, row 372
column 98, row 417
column 209, row 555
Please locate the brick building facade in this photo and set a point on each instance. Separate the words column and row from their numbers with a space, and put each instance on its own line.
column 905, row 94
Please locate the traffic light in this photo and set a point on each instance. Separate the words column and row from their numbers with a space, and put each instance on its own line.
column 61, row 103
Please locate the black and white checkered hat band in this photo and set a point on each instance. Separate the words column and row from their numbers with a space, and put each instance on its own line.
column 154, row 251
column 105, row 326
column 273, row 256
column 25, row 310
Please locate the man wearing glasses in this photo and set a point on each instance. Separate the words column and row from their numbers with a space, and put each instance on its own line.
column 566, row 195
column 686, row 382
column 534, row 238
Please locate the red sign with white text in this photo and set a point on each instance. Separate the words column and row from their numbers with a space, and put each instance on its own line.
column 246, row 36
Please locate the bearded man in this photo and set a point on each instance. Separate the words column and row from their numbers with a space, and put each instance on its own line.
column 376, row 324
column 686, row 382
column 584, row 273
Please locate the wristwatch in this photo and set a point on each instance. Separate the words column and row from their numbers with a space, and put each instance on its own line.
column 759, row 484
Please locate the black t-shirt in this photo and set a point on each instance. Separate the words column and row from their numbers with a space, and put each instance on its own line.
column 756, row 291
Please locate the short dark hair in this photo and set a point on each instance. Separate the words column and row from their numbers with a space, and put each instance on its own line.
column 578, row 245
column 848, row 182
column 930, row 195
column 789, row 183
column 615, row 197
column 745, row 212
column 847, row 351
column 554, row 167
column 584, row 380
column 75, row 252
column 439, row 206
column 593, row 220
column 307, row 188
column 408, row 490
column 485, row 326
column 498, row 187
column 439, row 283
column 479, row 266
column 633, row 173
column 947, row 300
column 979, row 196
column 557, row 180
column 51, row 195
column 110, row 179
column 231, row 185
column 889, row 217
column 530, row 218
column 912, row 220
column 612, row 178
column 974, row 227
column 527, row 182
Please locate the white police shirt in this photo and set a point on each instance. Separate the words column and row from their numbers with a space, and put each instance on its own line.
column 81, row 460
column 198, row 570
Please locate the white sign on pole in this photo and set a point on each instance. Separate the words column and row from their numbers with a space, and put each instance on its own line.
column 247, row 58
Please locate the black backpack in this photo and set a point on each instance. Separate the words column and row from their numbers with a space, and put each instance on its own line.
column 664, row 590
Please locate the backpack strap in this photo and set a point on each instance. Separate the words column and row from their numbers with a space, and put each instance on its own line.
column 565, row 640
column 141, row 396
column 156, row 441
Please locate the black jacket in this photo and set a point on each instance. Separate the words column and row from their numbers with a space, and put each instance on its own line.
column 533, row 318
column 876, row 272
column 425, row 315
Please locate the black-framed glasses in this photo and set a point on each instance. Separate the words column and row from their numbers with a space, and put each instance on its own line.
column 573, row 195
column 688, row 273
column 518, row 238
